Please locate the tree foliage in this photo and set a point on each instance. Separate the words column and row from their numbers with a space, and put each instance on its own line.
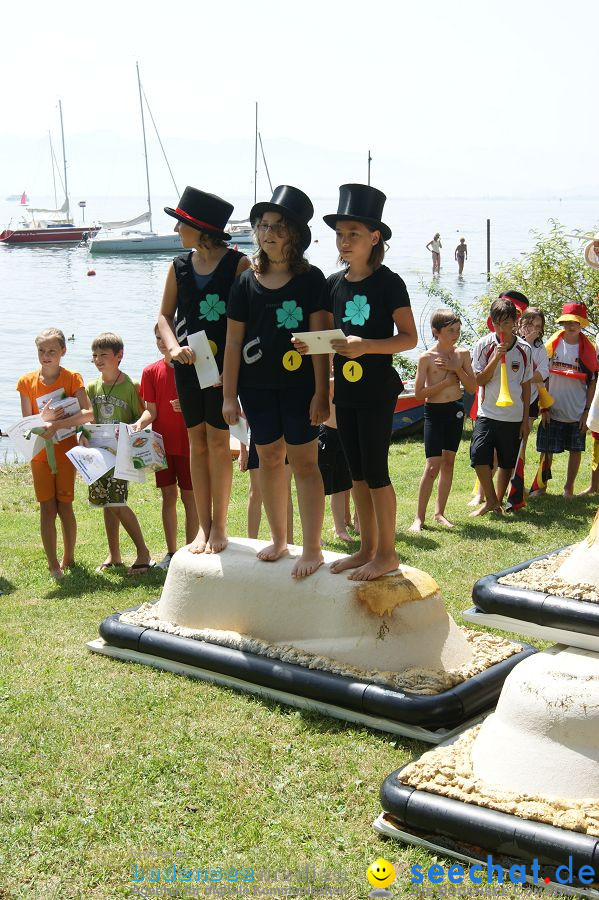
column 554, row 272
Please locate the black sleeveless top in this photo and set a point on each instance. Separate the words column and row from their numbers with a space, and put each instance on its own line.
column 204, row 309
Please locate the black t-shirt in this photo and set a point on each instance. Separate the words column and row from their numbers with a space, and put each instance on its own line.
column 268, row 359
column 205, row 308
column 365, row 309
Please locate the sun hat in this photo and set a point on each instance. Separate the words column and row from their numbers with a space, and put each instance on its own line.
column 360, row 203
column 574, row 312
column 203, row 211
column 293, row 205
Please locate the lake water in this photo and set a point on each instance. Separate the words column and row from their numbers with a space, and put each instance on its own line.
column 49, row 286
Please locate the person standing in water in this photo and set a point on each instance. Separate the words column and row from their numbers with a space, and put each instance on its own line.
column 435, row 248
column 461, row 254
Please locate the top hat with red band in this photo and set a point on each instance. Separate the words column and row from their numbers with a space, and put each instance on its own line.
column 574, row 312
column 293, row 205
column 520, row 301
column 360, row 203
column 204, row 212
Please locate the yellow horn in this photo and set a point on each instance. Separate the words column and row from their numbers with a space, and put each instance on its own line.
column 505, row 398
column 545, row 398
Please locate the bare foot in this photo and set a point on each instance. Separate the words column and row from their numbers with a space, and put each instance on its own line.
column 486, row 508
column 568, row 494
column 378, row 566
column 356, row 525
column 476, row 501
column 57, row 574
column 589, row 490
column 537, row 493
column 217, row 541
column 307, row 564
column 417, row 525
column 67, row 564
column 273, row 552
column 351, row 562
column 441, row 520
column 343, row 536
column 198, row 545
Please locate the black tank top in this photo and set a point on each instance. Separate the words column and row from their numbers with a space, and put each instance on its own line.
column 204, row 309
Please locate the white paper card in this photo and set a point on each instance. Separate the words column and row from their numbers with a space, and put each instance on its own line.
column 28, row 447
column 103, row 437
column 319, row 341
column 240, row 431
column 205, row 363
column 124, row 467
column 91, row 462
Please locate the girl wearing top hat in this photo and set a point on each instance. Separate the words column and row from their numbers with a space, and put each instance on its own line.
column 372, row 307
column 285, row 396
column 195, row 299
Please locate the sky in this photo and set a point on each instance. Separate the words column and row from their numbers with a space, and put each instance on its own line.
column 472, row 98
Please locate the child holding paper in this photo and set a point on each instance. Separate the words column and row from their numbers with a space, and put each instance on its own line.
column 54, row 485
column 163, row 412
column 284, row 395
column 194, row 300
column 115, row 399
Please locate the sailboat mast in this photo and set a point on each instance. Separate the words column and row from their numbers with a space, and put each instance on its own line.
column 256, row 156
column 53, row 172
column 143, row 128
column 64, row 160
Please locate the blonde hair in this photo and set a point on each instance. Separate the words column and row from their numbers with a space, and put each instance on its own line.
column 49, row 334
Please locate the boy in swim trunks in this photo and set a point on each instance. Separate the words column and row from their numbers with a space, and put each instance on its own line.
column 441, row 372
column 54, row 490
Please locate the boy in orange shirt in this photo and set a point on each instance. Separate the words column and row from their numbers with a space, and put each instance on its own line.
column 54, row 491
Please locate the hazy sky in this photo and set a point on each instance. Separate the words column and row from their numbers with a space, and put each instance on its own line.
column 466, row 98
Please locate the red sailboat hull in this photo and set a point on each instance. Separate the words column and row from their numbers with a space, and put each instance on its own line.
column 63, row 234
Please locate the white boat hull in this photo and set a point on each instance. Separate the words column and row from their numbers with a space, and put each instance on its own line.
column 138, row 243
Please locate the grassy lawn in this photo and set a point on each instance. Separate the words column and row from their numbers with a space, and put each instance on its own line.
column 102, row 760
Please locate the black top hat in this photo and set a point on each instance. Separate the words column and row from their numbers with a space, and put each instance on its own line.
column 293, row 204
column 361, row 203
column 205, row 212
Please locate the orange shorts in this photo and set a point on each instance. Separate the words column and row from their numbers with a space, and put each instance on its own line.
column 48, row 486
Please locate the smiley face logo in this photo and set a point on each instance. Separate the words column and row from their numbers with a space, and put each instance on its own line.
column 380, row 873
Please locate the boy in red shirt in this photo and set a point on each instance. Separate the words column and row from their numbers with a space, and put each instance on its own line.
column 54, row 490
column 163, row 410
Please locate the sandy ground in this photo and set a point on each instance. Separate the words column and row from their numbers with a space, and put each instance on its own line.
column 540, row 576
column 448, row 771
column 487, row 649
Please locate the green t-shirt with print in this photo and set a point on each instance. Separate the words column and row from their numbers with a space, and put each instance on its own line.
column 115, row 403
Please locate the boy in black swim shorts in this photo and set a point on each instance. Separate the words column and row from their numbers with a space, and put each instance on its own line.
column 441, row 372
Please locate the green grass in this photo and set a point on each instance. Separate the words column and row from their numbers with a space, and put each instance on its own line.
column 102, row 759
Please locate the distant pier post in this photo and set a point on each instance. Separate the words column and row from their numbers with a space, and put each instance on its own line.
column 488, row 249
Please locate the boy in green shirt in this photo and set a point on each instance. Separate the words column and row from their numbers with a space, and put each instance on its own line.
column 115, row 398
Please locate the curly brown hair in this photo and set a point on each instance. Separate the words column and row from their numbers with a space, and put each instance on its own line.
column 293, row 252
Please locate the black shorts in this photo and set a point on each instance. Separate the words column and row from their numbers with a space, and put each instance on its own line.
column 365, row 435
column 332, row 463
column 533, row 410
column 490, row 435
column 443, row 426
column 198, row 405
column 275, row 413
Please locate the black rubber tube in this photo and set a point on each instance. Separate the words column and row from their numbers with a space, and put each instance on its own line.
column 535, row 606
column 489, row 828
column 445, row 710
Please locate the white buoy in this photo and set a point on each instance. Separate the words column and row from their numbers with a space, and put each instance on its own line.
column 388, row 624
column 543, row 738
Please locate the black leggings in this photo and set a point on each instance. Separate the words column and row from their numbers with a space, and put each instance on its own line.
column 365, row 435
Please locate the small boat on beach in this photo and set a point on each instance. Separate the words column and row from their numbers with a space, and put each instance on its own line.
column 48, row 226
column 408, row 416
column 241, row 233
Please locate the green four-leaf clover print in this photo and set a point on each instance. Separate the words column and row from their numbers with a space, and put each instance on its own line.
column 212, row 308
column 357, row 310
column 289, row 314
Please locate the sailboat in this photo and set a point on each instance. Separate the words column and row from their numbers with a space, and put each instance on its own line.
column 130, row 240
column 56, row 226
column 241, row 230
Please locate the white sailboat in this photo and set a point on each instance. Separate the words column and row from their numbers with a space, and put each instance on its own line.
column 130, row 240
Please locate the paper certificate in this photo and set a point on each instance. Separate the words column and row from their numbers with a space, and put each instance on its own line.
column 208, row 374
column 319, row 341
column 91, row 462
column 240, row 431
column 124, row 467
column 28, row 446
